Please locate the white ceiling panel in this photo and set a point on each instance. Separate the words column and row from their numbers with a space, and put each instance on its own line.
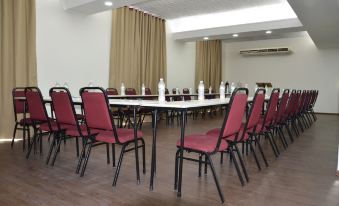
column 170, row 9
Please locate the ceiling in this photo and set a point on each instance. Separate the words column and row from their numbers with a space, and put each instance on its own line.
column 318, row 17
column 171, row 9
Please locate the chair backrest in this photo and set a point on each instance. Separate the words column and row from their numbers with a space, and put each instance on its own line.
column 63, row 106
column 255, row 111
column 291, row 102
column 148, row 91
column 130, row 91
column 302, row 101
column 297, row 102
column 234, row 113
column 282, row 106
column 36, row 106
column 271, row 107
column 177, row 98
column 18, row 104
column 96, row 109
column 186, row 91
column 168, row 99
column 112, row 91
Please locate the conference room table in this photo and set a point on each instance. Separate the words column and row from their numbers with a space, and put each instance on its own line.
column 155, row 96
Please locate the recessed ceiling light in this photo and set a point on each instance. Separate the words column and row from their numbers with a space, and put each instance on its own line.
column 269, row 32
column 235, row 35
column 206, row 38
column 108, row 3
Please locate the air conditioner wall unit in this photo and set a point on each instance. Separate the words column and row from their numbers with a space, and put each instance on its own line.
column 266, row 51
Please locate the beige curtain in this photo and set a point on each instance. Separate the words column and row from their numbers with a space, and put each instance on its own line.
column 208, row 63
column 17, row 55
column 138, row 49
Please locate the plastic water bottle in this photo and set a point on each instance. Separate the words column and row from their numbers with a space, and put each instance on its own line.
column 232, row 87
column 122, row 89
column 66, row 85
column 161, row 90
column 177, row 90
column 90, row 84
column 201, row 91
column 57, row 84
column 255, row 88
column 191, row 90
column 266, row 89
column 143, row 89
column 210, row 90
column 222, row 90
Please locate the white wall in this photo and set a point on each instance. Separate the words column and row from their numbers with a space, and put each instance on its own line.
column 180, row 63
column 71, row 47
column 306, row 68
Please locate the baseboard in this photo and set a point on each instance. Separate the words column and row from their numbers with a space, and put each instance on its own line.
column 326, row 113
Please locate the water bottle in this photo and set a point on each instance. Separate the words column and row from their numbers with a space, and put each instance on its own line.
column 232, row 87
column 90, row 84
column 210, row 90
column 122, row 89
column 255, row 88
column 177, row 90
column 143, row 89
column 201, row 91
column 222, row 90
column 227, row 87
column 66, row 85
column 161, row 90
column 266, row 89
column 191, row 90
column 57, row 84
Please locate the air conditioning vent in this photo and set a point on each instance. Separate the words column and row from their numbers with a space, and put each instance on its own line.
column 266, row 51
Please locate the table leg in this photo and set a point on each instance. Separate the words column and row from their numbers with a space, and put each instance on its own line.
column 181, row 153
column 154, row 129
column 135, row 127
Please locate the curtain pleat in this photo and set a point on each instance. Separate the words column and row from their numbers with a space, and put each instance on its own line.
column 138, row 49
column 17, row 55
column 208, row 63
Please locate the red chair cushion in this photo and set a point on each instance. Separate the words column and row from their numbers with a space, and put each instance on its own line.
column 45, row 127
column 124, row 135
column 215, row 132
column 72, row 130
column 203, row 143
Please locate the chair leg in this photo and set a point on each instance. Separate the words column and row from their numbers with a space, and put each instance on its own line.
column 274, row 142
column 282, row 141
column 107, row 153
column 271, row 143
column 215, row 179
column 82, row 154
column 51, row 148
column 236, row 166
column 176, row 170
column 113, row 154
column 116, row 175
column 14, row 133
column 200, row 164
column 255, row 155
column 31, row 144
column 77, row 145
column 40, row 138
column 56, row 151
column 86, row 159
column 289, row 132
column 221, row 157
column 260, row 149
column 205, row 171
column 242, row 163
column 143, row 156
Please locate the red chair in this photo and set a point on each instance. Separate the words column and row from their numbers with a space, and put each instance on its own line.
column 112, row 91
column 41, row 123
column 281, row 117
column 130, row 91
column 248, row 130
column 206, row 145
column 20, row 109
column 267, row 124
column 186, row 91
column 102, row 130
column 68, row 125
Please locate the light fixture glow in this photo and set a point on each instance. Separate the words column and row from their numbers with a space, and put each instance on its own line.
column 257, row 14
column 269, row 32
column 235, row 35
column 108, row 3
column 206, row 38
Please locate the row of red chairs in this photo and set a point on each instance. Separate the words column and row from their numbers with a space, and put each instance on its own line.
column 294, row 110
